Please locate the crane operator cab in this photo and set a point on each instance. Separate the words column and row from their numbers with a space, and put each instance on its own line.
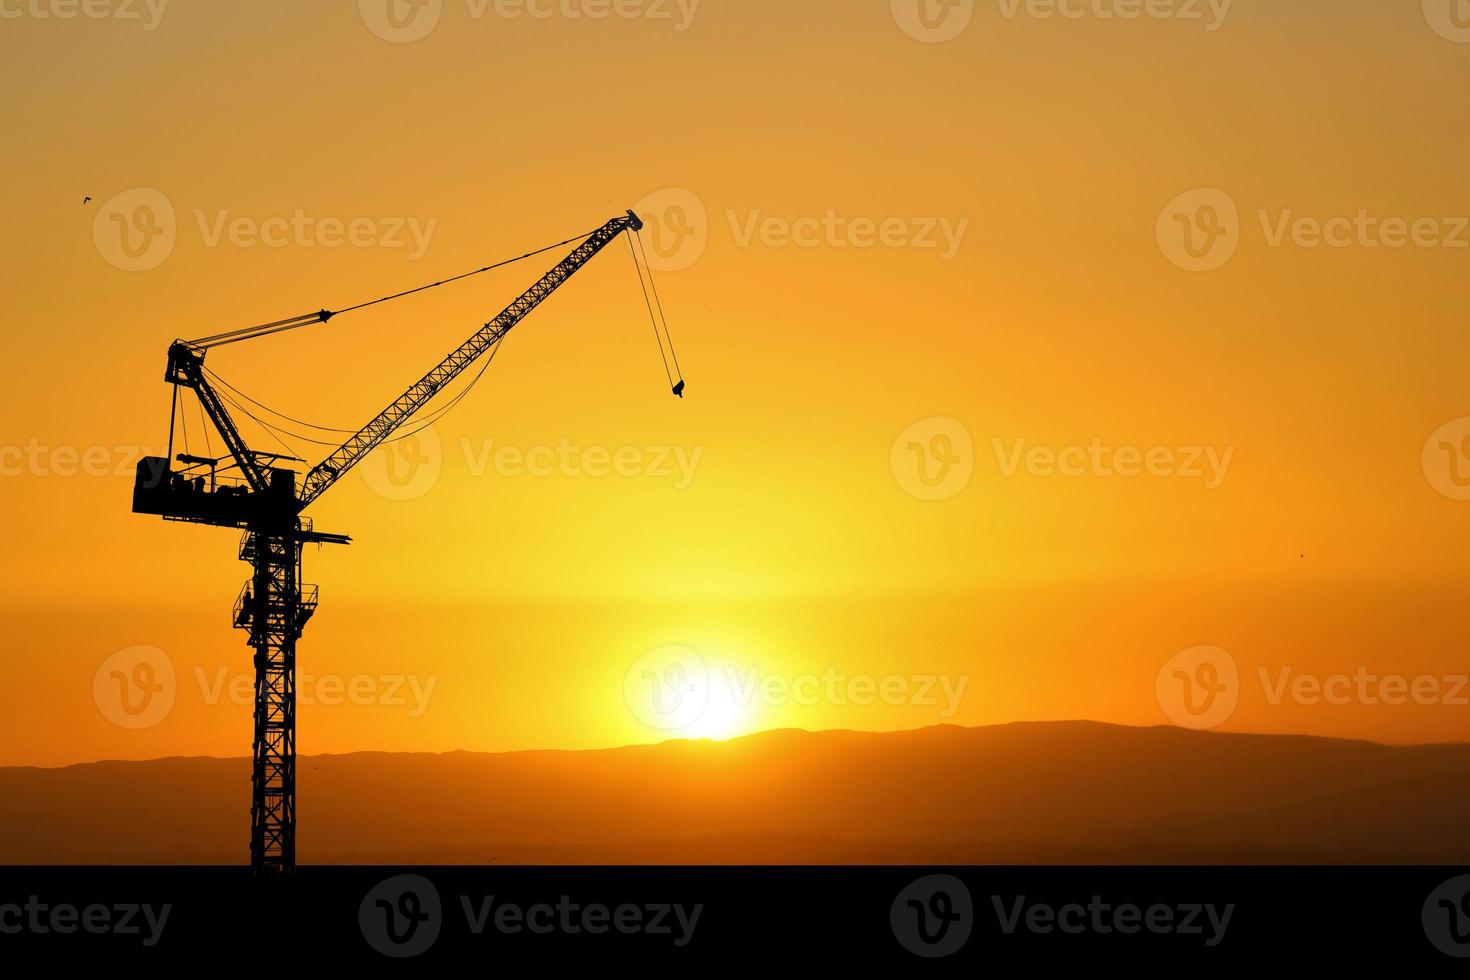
column 200, row 494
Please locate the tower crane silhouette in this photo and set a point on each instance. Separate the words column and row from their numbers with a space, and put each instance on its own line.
column 266, row 502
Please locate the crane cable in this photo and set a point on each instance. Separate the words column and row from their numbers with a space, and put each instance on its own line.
column 656, row 335
column 654, row 287
column 291, row 323
column 184, row 421
column 215, row 377
column 272, row 429
column 676, row 386
column 322, row 316
column 204, row 425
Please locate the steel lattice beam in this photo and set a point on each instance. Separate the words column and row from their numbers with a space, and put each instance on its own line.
column 331, row 469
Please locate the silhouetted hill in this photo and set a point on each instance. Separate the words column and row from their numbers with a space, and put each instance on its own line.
column 1022, row 793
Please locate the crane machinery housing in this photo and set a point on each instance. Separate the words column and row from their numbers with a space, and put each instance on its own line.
column 266, row 501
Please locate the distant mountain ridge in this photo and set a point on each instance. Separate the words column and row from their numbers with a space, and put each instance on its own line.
column 1042, row 792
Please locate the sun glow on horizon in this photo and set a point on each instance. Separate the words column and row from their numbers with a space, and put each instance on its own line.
column 726, row 715
column 680, row 693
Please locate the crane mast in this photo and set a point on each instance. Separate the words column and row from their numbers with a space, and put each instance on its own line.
column 274, row 605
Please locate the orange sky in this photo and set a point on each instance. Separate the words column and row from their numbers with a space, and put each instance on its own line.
column 885, row 240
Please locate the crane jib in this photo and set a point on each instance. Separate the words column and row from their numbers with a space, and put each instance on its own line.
column 331, row 469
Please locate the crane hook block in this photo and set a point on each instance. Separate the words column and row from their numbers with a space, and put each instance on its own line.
column 679, row 388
